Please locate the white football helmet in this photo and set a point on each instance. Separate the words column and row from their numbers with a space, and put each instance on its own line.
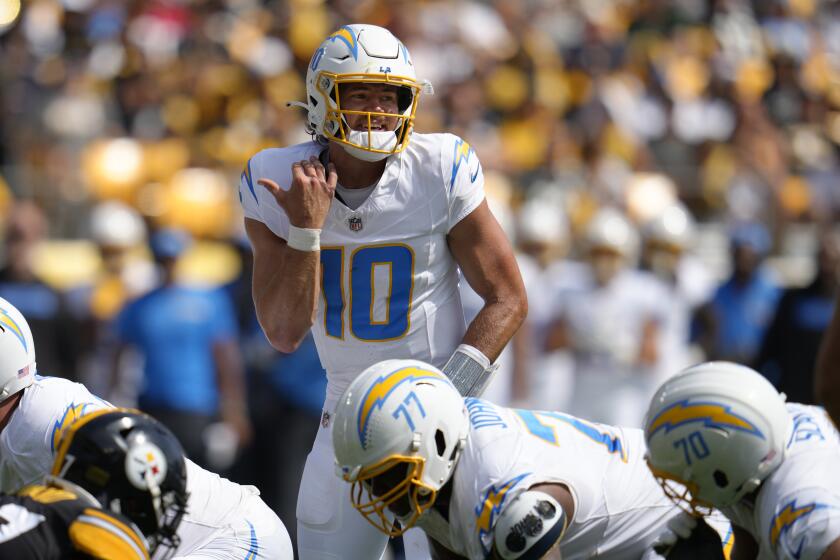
column 718, row 429
column 17, row 351
column 398, row 414
column 610, row 230
column 672, row 229
column 114, row 224
column 369, row 54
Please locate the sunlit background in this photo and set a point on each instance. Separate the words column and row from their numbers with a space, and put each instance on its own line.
column 119, row 118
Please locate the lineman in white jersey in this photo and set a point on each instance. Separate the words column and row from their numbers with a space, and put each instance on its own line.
column 223, row 519
column 723, row 431
column 374, row 273
column 490, row 482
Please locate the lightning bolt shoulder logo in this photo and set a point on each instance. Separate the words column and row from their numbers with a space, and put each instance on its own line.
column 246, row 175
column 710, row 414
column 787, row 516
column 72, row 413
column 490, row 506
column 6, row 322
column 346, row 36
column 382, row 389
column 461, row 153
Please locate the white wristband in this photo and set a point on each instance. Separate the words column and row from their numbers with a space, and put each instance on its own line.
column 304, row 239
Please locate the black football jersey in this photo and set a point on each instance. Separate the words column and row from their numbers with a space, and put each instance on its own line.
column 51, row 523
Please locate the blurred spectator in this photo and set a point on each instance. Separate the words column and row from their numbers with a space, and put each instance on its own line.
column 119, row 235
column 611, row 324
column 43, row 306
column 789, row 349
column 733, row 324
column 192, row 374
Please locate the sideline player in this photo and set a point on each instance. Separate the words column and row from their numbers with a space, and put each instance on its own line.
column 722, row 430
column 133, row 511
column 374, row 272
column 490, row 482
column 223, row 519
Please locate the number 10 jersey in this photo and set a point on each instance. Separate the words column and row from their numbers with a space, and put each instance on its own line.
column 389, row 285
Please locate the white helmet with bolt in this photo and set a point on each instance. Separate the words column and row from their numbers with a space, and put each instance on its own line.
column 361, row 53
column 718, row 429
column 17, row 352
column 399, row 414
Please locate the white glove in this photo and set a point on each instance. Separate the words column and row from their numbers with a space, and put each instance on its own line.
column 679, row 526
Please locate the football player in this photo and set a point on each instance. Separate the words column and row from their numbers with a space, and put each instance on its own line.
column 827, row 371
column 490, row 482
column 223, row 519
column 118, row 490
column 727, row 437
column 359, row 235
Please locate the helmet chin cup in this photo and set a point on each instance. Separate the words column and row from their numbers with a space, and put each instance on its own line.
column 357, row 145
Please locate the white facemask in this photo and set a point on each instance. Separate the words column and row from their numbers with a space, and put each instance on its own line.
column 379, row 140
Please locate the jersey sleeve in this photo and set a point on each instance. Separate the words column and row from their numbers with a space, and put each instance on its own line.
column 463, row 178
column 803, row 525
column 257, row 202
column 102, row 535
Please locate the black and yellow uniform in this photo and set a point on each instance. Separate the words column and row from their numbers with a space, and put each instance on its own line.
column 52, row 523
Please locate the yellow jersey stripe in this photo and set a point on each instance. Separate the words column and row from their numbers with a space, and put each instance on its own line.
column 47, row 494
column 95, row 528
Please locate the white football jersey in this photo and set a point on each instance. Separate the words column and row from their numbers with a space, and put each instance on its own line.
column 606, row 322
column 796, row 514
column 389, row 282
column 619, row 507
column 50, row 404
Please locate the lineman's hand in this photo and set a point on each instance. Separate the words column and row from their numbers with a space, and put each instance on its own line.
column 308, row 200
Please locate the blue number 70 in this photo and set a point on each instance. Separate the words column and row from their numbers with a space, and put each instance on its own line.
column 694, row 442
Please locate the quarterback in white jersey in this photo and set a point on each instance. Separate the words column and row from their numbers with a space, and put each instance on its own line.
column 359, row 236
column 490, row 482
column 723, row 431
column 223, row 519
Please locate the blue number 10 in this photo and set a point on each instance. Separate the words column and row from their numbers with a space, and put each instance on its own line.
column 400, row 262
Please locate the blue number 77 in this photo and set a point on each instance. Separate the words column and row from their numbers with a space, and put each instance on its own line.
column 403, row 409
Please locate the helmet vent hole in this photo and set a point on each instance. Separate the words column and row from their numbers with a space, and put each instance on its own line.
column 440, row 441
column 313, row 101
column 720, row 479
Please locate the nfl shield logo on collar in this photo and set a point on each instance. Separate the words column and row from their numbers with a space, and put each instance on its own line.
column 355, row 223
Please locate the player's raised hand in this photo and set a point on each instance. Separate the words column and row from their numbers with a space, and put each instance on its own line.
column 308, row 200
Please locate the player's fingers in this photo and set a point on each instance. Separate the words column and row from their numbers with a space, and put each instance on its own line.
column 309, row 169
column 332, row 178
column 298, row 174
column 319, row 168
column 273, row 188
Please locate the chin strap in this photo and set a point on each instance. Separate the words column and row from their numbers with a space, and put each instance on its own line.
column 300, row 104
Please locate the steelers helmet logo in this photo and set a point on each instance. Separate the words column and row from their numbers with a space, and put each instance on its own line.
column 145, row 463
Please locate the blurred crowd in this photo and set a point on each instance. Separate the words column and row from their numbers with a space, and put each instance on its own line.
column 667, row 170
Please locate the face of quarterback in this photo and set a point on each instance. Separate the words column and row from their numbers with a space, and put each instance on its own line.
column 373, row 98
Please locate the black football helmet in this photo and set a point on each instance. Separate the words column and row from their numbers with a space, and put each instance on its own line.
column 131, row 464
